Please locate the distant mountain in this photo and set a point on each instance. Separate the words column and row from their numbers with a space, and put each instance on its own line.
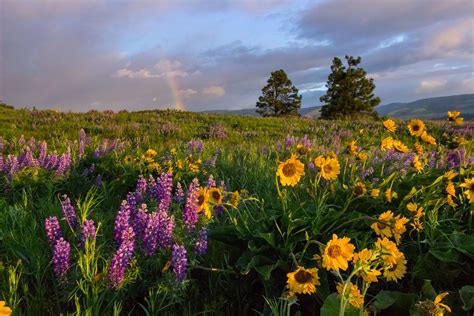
column 431, row 108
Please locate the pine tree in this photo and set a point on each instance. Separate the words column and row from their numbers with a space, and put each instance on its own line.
column 279, row 96
column 349, row 91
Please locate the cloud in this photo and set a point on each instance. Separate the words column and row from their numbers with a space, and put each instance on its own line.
column 187, row 93
column 430, row 85
column 214, row 91
column 164, row 67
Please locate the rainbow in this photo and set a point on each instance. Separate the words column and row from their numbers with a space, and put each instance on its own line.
column 175, row 90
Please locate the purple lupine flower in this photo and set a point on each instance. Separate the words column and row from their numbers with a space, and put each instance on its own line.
column 61, row 256
column 121, row 259
column 223, row 186
column 140, row 221
column 64, row 162
column 82, row 143
column 290, row 141
column 152, row 187
column 217, row 131
column 21, row 140
column 179, row 262
column 132, row 200
column 122, row 222
column 51, row 161
column 32, row 143
column 98, row 180
column 165, row 185
column 311, row 166
column 141, row 185
column 306, row 142
column 69, row 212
column 213, row 160
column 191, row 208
column 158, row 232
column 211, row 183
column 1, row 163
column 43, row 152
column 11, row 166
column 195, row 145
column 200, row 246
column 367, row 172
column 88, row 231
column 53, row 231
column 178, row 194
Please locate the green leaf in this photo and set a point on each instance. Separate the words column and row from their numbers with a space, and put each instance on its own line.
column 446, row 254
column 467, row 297
column 427, row 290
column 331, row 307
column 386, row 299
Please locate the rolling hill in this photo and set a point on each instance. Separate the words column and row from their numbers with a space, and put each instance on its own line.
column 430, row 108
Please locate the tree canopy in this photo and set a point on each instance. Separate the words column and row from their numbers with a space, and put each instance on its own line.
column 279, row 97
column 349, row 90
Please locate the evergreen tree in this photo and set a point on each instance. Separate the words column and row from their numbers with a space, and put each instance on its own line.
column 279, row 96
column 349, row 91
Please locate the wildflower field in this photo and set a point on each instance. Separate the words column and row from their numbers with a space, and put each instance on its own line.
column 177, row 213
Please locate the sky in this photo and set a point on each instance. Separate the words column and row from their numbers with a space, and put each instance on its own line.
column 78, row 55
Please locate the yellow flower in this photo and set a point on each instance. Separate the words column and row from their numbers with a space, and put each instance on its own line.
column 352, row 294
column 417, row 224
column 384, row 229
column 469, row 185
column 387, row 143
column 362, row 156
column 400, row 147
column 329, row 167
column 193, row 168
column 399, row 227
column 388, row 251
column 166, row 266
column 215, row 195
column 173, row 151
column 338, row 253
column 389, row 195
column 390, row 125
column 375, row 193
column 352, row 147
column 302, row 149
column 203, row 202
column 155, row 167
column 428, row 138
column 363, row 260
column 451, row 202
column 150, row 153
column 4, row 310
column 179, row 164
column 417, row 164
column 450, row 188
column 419, row 148
column 235, row 198
column 450, row 174
column 359, row 189
column 416, row 127
column 302, row 281
column 290, row 171
column 412, row 207
column 454, row 117
column 440, row 306
column 128, row 160
column 397, row 270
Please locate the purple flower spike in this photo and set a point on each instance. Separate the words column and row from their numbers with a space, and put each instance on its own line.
column 88, row 231
column 178, row 194
column 190, row 215
column 200, row 246
column 179, row 262
column 122, row 257
column 69, row 212
column 61, row 257
column 51, row 225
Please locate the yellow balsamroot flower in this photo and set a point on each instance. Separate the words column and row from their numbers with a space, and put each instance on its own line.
column 450, row 175
column 454, row 117
column 417, row 164
column 412, row 207
column 203, row 202
column 363, row 260
column 469, row 186
column 362, row 156
column 397, row 270
column 179, row 164
column 388, row 251
column 215, row 195
column 419, row 148
column 399, row 227
column 375, row 193
column 440, row 306
column 290, row 171
column 384, row 229
column 416, row 127
column 235, row 198
column 128, row 160
column 417, row 224
column 428, row 138
column 400, row 147
column 390, row 125
column 387, row 143
column 352, row 294
column 150, row 153
column 450, row 189
column 352, row 147
column 337, row 254
column 329, row 167
column 302, row 149
column 451, row 202
column 302, row 281
column 359, row 189
column 389, row 195
column 173, row 151
column 193, row 167
column 4, row 310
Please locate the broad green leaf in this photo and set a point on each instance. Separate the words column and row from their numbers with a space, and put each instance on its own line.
column 467, row 297
column 331, row 307
column 427, row 290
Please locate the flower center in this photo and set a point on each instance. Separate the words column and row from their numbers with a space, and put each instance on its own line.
column 327, row 168
column 201, row 200
column 302, row 276
column 416, row 128
column 334, row 251
column 289, row 169
column 216, row 195
column 359, row 190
